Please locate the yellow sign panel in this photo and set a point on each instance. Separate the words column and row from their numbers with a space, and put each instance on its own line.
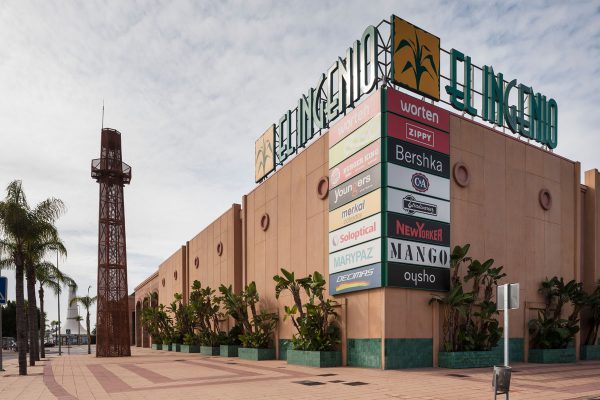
column 264, row 154
column 360, row 208
column 416, row 61
column 358, row 139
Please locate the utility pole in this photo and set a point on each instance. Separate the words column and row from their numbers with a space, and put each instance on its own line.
column 1, row 339
column 58, row 295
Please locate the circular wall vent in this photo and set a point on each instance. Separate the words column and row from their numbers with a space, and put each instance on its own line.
column 545, row 199
column 220, row 249
column 197, row 262
column 323, row 187
column 461, row 174
column 264, row 222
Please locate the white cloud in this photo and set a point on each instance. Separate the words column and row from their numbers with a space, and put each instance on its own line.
column 191, row 85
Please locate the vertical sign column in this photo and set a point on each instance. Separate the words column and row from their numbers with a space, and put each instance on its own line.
column 355, row 198
column 418, row 193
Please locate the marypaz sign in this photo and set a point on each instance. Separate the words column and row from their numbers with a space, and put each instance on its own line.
column 354, row 257
column 354, row 188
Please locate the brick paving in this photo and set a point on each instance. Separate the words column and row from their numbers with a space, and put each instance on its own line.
column 152, row 374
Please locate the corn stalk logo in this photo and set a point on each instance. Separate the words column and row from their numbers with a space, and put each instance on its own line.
column 416, row 60
column 264, row 154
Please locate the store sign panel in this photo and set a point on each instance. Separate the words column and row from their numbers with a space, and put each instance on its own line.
column 360, row 138
column 356, row 210
column 357, row 163
column 406, row 227
column 403, row 202
column 417, row 110
column 418, row 134
column 410, row 155
column 358, row 232
column 416, row 277
column 264, row 154
column 354, row 188
column 423, row 254
column 354, row 257
column 355, row 118
column 419, row 182
column 368, row 277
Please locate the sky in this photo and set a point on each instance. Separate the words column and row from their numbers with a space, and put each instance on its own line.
column 192, row 84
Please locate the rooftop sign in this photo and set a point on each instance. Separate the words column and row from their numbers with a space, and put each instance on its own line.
column 397, row 53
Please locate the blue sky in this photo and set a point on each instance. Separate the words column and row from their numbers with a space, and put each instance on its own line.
column 192, row 84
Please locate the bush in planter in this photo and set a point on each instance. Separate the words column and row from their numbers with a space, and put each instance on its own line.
column 592, row 304
column 318, row 333
column 469, row 315
column 158, row 324
column 550, row 330
column 184, row 322
column 230, row 345
column 206, row 307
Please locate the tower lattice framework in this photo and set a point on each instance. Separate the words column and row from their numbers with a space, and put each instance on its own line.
column 112, row 319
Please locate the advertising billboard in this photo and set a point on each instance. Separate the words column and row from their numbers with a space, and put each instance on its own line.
column 403, row 202
column 416, row 277
column 412, row 156
column 418, row 134
column 366, row 134
column 424, row 254
column 406, row 227
column 356, row 210
column 264, row 154
column 356, row 256
column 358, row 232
column 417, row 110
column 418, row 181
column 355, row 164
column 355, row 187
column 367, row 277
column 355, row 118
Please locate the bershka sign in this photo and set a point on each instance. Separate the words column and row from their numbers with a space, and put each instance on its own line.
column 356, row 210
column 358, row 232
column 423, row 254
column 366, row 134
column 354, row 188
column 355, row 164
column 354, row 257
column 419, row 182
column 421, row 135
column 416, row 157
column 403, row 202
column 415, row 277
column 418, row 229
column 417, row 110
column 368, row 277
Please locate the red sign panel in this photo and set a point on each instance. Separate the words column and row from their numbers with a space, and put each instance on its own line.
column 417, row 110
column 419, row 134
column 355, row 164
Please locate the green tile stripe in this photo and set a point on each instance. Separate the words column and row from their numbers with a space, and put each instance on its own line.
column 284, row 346
column 364, row 353
column 408, row 353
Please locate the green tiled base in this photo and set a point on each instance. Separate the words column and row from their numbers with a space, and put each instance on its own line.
column 364, row 353
column 408, row 353
column 480, row 359
column 552, row 356
column 210, row 351
column 284, row 346
column 156, row 346
column 189, row 348
column 167, row 347
column 590, row 352
column 228, row 350
column 176, row 347
column 256, row 354
column 318, row 359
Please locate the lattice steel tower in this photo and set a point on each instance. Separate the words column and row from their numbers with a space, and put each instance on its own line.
column 112, row 320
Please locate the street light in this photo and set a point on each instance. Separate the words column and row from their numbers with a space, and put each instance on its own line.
column 58, row 295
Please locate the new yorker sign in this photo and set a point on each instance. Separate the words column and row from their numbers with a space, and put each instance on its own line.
column 415, row 65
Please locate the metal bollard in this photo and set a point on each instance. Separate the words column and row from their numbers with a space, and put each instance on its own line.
column 501, row 380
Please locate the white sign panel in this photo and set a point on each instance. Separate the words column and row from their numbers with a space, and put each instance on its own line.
column 354, row 257
column 419, row 182
column 359, row 232
column 414, row 253
column 403, row 202
column 513, row 296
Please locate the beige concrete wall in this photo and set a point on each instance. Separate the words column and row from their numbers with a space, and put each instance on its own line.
column 168, row 283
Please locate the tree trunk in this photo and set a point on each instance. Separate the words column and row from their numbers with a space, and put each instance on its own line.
column 87, row 325
column 21, row 332
column 43, row 324
column 32, row 308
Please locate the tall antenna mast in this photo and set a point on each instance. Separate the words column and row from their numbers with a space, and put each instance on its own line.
column 102, row 113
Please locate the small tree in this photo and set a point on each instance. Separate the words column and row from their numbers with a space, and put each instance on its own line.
column 316, row 320
column 593, row 304
column 185, row 321
column 206, row 307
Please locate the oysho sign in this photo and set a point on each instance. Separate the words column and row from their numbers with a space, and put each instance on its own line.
column 416, row 277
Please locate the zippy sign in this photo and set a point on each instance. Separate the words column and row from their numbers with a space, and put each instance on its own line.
column 416, row 65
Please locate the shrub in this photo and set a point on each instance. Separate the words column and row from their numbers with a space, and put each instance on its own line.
column 469, row 315
column 185, row 321
column 316, row 320
column 593, row 306
column 206, row 307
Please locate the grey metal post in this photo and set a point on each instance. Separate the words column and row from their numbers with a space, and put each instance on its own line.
column 1, row 340
column 58, row 294
column 506, row 296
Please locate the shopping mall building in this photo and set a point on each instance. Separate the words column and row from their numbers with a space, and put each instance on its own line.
column 400, row 152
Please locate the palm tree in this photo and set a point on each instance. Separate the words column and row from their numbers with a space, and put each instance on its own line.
column 48, row 275
column 87, row 302
column 26, row 234
column 54, row 327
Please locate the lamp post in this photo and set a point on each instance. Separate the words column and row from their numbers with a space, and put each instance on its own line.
column 58, row 295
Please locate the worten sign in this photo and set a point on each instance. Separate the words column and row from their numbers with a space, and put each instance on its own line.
column 415, row 65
